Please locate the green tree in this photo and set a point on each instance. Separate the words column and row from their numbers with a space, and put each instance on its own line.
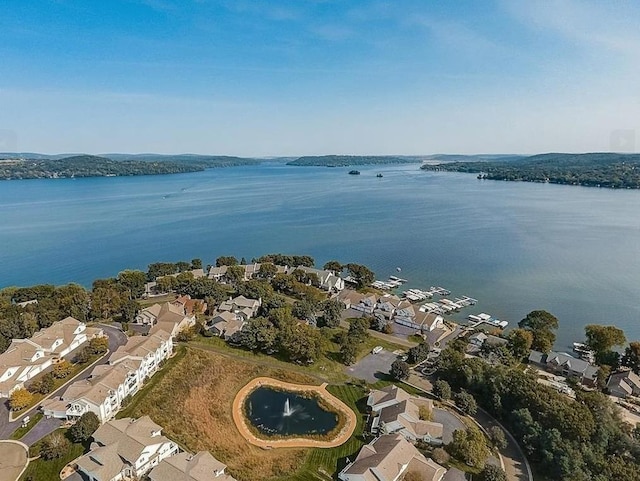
column 442, row 389
column 332, row 310
column 235, row 274
column 602, row 338
column 301, row 343
column 133, row 281
column 358, row 330
column 631, row 357
column 159, row 269
column 99, row 345
column 362, row 275
column 166, row 283
column 497, row 437
column 305, row 310
column 348, row 350
column 267, row 270
column 196, row 263
column 43, row 384
column 466, row 402
column 542, row 326
column 470, row 447
column 226, row 261
column 84, row 427
column 105, row 302
column 129, row 310
column 399, row 370
column 333, row 266
column 520, row 341
column 418, row 353
column 493, row 473
column 54, row 446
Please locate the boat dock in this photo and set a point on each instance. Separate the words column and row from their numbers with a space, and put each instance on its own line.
column 392, row 283
column 487, row 319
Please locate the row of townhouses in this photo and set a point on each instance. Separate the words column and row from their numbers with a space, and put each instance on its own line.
column 26, row 358
column 129, row 448
column 391, row 308
column 104, row 391
column 126, row 370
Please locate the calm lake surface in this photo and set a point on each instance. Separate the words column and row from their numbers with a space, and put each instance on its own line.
column 284, row 413
column 516, row 247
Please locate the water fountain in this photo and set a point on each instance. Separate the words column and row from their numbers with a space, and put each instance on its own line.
column 283, row 413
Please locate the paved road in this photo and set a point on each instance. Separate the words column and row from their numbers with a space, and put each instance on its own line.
column 515, row 462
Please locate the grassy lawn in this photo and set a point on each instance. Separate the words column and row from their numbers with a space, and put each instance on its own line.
column 191, row 398
column 18, row 433
column 50, row 470
column 320, row 464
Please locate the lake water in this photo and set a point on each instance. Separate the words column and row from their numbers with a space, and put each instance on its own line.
column 516, row 247
column 276, row 412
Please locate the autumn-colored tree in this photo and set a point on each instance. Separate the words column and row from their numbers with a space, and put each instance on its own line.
column 62, row 369
column 20, row 399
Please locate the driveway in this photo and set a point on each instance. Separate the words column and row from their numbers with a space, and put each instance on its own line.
column 40, row 430
column 454, row 474
column 372, row 367
column 450, row 423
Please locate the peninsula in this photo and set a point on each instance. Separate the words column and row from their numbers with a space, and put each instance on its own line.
column 38, row 166
column 601, row 169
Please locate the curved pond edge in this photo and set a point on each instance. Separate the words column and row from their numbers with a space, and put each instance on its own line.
column 245, row 430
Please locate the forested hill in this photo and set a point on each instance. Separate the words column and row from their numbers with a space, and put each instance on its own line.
column 349, row 160
column 95, row 166
column 594, row 169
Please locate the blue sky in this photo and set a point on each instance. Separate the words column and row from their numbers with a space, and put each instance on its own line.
column 270, row 77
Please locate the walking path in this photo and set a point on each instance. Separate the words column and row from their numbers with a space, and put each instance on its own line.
column 14, row 459
column 241, row 421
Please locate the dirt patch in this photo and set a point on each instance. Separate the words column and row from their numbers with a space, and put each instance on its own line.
column 193, row 402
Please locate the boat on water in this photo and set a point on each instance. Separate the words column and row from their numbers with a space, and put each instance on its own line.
column 354, row 172
column 379, row 175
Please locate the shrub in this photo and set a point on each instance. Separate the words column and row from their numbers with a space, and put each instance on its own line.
column 62, row 369
column 84, row 427
column 399, row 370
column 442, row 389
column 498, row 439
column 440, row 456
column 466, row 402
column 493, row 473
column 42, row 385
column 424, row 413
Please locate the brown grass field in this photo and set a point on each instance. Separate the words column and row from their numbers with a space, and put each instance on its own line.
column 193, row 403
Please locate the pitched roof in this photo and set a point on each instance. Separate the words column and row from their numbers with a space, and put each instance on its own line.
column 408, row 415
column 139, row 346
column 625, row 380
column 186, row 467
column 386, row 394
column 385, row 459
column 120, row 442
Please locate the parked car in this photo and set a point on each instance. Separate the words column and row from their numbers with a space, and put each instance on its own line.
column 376, row 350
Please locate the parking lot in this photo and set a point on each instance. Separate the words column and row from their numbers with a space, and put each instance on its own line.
column 372, row 367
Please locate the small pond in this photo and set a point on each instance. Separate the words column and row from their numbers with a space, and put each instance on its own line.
column 283, row 413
